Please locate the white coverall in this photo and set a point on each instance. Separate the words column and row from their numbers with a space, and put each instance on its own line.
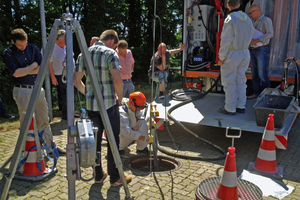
column 131, row 127
column 236, row 36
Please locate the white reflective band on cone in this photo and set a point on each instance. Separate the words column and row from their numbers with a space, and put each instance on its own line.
column 229, row 179
column 269, row 135
column 32, row 157
column 266, row 155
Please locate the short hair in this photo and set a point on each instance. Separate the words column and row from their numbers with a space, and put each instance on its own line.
column 109, row 35
column 18, row 34
column 122, row 44
column 61, row 33
column 233, row 3
column 95, row 38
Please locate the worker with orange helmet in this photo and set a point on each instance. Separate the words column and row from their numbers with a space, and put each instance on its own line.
column 133, row 125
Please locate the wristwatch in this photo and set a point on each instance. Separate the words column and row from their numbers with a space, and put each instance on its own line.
column 294, row 59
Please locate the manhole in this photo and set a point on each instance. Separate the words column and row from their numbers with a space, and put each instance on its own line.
column 143, row 163
column 208, row 189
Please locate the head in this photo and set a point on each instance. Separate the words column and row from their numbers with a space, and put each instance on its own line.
column 93, row 40
column 122, row 47
column 161, row 49
column 233, row 4
column 61, row 38
column 254, row 12
column 19, row 38
column 110, row 38
column 137, row 101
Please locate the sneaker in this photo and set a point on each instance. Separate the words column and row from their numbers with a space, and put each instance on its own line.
column 161, row 95
column 224, row 111
column 240, row 110
column 8, row 116
column 122, row 152
column 61, row 151
column 102, row 179
column 119, row 182
column 253, row 96
column 143, row 151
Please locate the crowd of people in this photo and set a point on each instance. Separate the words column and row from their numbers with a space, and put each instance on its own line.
column 113, row 63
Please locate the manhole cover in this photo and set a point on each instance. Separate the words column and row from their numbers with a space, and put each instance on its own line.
column 144, row 163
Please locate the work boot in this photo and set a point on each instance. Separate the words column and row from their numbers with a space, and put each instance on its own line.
column 253, row 96
column 161, row 95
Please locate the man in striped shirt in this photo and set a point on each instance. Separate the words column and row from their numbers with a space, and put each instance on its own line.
column 259, row 50
column 107, row 70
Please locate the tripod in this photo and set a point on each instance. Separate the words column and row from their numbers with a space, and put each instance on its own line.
column 73, row 169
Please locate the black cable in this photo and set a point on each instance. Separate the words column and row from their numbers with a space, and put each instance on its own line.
column 223, row 153
column 155, row 179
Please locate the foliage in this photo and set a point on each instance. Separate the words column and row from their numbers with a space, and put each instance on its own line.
column 132, row 19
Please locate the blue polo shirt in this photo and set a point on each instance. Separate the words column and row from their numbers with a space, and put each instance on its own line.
column 15, row 59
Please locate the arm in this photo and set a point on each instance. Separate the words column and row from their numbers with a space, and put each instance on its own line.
column 51, row 72
column 31, row 69
column 132, row 63
column 78, row 82
column 118, row 83
column 226, row 40
column 125, row 128
column 181, row 48
column 293, row 58
column 268, row 30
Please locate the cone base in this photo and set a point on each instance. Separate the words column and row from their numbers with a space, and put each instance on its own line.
column 31, row 169
column 277, row 175
column 47, row 174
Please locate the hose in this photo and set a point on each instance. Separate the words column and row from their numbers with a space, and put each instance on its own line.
column 223, row 153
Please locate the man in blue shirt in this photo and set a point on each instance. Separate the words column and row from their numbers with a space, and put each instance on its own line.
column 23, row 62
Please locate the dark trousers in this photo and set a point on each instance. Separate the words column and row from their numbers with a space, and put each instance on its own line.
column 62, row 95
column 3, row 112
column 114, row 118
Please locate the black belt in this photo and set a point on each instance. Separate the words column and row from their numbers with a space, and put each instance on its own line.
column 126, row 79
column 25, row 86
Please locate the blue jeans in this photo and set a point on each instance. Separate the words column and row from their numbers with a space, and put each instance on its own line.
column 259, row 61
column 128, row 88
column 114, row 118
column 161, row 75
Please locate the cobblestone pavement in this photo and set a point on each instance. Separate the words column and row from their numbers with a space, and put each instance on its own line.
column 178, row 184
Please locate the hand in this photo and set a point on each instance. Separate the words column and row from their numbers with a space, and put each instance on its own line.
column 182, row 47
column 54, row 81
column 220, row 62
column 289, row 58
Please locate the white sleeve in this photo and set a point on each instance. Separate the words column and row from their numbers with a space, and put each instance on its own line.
column 226, row 40
column 125, row 128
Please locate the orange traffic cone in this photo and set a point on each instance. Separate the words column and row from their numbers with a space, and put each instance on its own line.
column 30, row 167
column 228, row 185
column 266, row 158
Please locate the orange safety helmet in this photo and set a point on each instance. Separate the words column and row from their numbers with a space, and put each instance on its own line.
column 138, row 99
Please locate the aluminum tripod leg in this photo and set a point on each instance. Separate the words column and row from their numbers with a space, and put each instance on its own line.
column 100, row 102
column 28, row 116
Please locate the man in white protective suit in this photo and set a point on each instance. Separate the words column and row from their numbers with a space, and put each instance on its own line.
column 234, row 58
column 133, row 125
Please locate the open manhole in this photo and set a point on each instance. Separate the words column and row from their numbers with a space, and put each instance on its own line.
column 145, row 163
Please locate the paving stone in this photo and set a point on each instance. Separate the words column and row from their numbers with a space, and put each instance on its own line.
column 143, row 186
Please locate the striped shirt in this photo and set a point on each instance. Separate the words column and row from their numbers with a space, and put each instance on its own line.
column 264, row 25
column 104, row 59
